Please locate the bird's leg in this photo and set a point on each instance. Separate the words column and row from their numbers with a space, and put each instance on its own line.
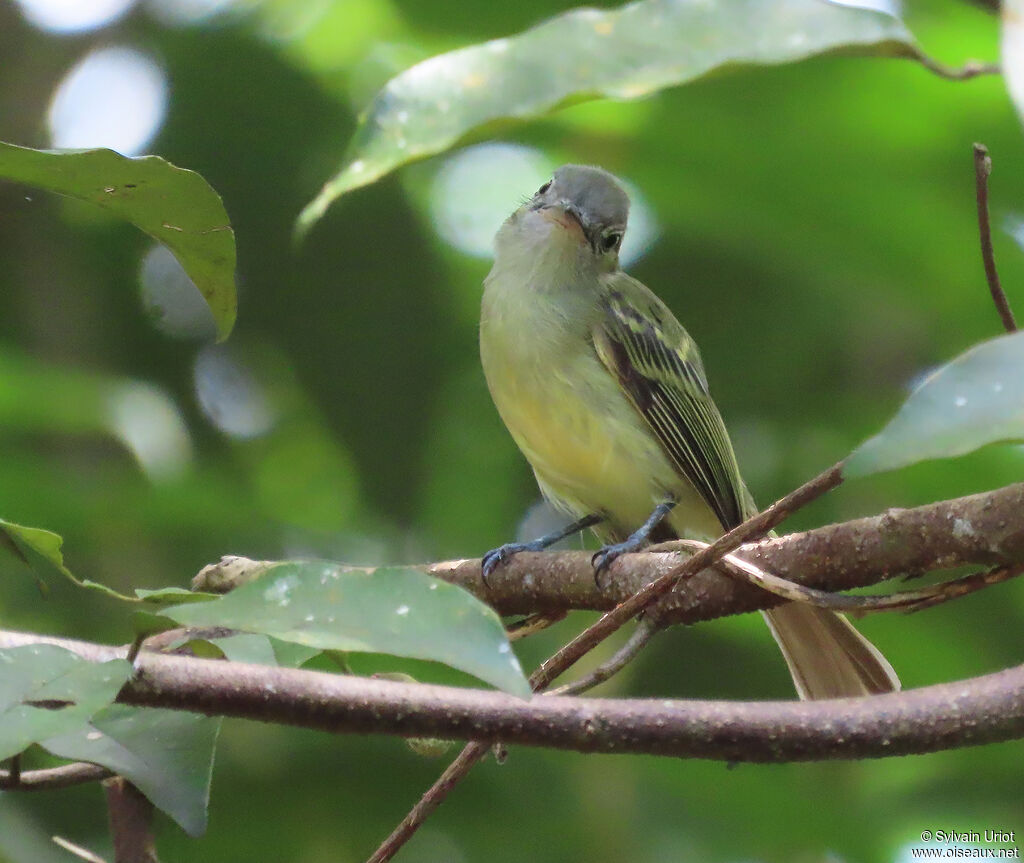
column 637, row 540
column 497, row 556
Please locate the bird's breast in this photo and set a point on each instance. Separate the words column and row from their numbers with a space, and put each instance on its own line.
column 589, row 448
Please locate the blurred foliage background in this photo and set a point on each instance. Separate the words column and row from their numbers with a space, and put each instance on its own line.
column 813, row 225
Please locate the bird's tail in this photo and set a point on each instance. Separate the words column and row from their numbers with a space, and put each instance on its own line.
column 826, row 656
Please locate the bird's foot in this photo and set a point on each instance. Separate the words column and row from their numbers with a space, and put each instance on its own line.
column 607, row 555
column 503, row 553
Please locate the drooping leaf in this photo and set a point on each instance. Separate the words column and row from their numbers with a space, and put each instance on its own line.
column 975, row 400
column 166, row 754
column 585, row 54
column 173, row 205
column 398, row 611
column 47, row 690
column 41, row 550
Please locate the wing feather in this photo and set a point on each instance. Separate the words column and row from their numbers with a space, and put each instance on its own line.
column 659, row 367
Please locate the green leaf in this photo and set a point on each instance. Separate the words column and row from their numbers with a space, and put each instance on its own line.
column 172, row 595
column 585, row 54
column 172, row 205
column 166, row 754
column 292, row 655
column 398, row 611
column 47, row 690
column 146, row 623
column 246, row 647
column 41, row 550
column 975, row 400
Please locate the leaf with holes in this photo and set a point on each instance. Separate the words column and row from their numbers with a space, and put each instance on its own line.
column 47, row 690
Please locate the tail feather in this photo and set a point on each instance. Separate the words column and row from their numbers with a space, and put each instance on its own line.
column 827, row 657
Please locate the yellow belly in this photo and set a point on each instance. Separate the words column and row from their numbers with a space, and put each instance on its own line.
column 591, row 450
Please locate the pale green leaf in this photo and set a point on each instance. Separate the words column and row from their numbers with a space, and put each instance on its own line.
column 583, row 54
column 398, row 611
column 975, row 400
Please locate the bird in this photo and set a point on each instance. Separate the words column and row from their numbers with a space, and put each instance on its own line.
column 605, row 394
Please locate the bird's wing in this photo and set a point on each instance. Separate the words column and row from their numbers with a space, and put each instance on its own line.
column 659, row 368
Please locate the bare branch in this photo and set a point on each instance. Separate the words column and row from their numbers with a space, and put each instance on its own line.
column 982, row 170
column 981, row 710
column 983, row 530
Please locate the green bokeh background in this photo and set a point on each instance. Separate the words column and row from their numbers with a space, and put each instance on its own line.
column 818, row 239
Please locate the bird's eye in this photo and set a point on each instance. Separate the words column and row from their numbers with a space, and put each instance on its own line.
column 610, row 240
column 544, row 188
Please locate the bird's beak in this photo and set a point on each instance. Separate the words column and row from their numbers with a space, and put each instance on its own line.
column 568, row 217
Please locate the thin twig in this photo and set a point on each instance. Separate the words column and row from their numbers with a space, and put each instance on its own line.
column 434, row 797
column 594, row 635
column 754, row 527
column 532, row 624
column 80, row 852
column 970, row 69
column 473, row 752
column 645, row 630
column 49, row 778
column 982, row 170
column 908, row 600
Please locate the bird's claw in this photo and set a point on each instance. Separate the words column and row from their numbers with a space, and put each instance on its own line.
column 605, row 557
column 497, row 556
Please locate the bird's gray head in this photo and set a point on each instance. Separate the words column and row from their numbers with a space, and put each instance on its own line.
column 592, row 197
column 580, row 208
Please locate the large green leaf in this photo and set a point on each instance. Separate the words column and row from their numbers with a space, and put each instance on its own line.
column 976, row 399
column 167, row 755
column 173, row 205
column 47, row 690
column 585, row 54
column 398, row 611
